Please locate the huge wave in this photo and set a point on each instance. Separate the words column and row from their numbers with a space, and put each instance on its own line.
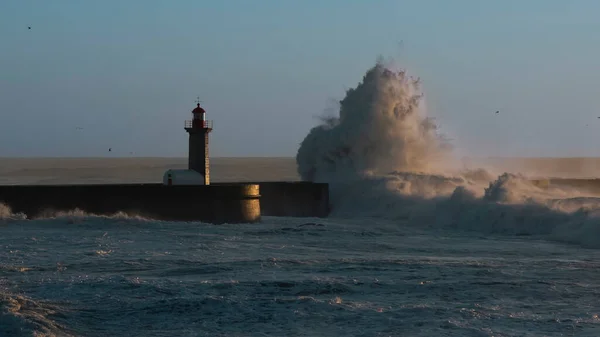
column 383, row 157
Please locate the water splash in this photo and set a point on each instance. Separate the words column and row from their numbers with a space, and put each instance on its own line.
column 384, row 158
column 6, row 213
column 381, row 128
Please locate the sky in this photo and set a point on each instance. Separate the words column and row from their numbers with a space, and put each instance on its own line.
column 93, row 75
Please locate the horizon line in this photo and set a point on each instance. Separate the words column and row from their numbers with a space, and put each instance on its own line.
column 272, row 157
column 140, row 157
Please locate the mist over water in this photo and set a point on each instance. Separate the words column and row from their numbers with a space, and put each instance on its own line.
column 383, row 157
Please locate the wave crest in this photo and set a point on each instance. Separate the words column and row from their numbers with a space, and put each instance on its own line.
column 384, row 158
column 380, row 128
column 6, row 213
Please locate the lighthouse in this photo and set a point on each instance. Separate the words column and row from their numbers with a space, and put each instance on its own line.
column 198, row 172
column 199, row 128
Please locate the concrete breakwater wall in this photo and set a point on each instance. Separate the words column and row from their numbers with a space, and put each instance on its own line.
column 294, row 199
column 226, row 203
column 216, row 203
column 591, row 185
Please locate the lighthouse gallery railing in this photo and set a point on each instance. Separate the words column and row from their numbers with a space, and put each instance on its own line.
column 206, row 124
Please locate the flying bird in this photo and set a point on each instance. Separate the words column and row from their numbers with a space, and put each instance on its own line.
column 109, row 149
column 498, row 111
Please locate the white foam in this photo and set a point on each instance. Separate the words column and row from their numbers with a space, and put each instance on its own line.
column 384, row 158
column 6, row 213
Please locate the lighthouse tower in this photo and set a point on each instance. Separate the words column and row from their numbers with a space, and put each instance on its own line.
column 198, row 129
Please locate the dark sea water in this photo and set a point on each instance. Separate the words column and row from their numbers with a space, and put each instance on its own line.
column 452, row 267
column 78, row 275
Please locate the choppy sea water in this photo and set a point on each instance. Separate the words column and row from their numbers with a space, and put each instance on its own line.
column 80, row 275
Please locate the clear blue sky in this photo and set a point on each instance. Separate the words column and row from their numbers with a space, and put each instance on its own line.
column 128, row 72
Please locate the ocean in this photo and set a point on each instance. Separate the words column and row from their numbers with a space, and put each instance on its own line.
column 352, row 274
column 419, row 242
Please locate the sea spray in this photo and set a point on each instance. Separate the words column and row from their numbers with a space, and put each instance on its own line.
column 6, row 213
column 382, row 142
column 384, row 158
column 381, row 128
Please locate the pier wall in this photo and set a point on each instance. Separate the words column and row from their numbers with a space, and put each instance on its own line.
column 591, row 185
column 227, row 203
column 215, row 203
column 294, row 199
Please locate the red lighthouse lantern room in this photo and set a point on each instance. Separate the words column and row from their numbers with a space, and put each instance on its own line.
column 199, row 118
column 198, row 122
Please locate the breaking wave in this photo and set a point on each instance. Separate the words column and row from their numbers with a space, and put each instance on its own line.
column 22, row 316
column 383, row 157
column 6, row 213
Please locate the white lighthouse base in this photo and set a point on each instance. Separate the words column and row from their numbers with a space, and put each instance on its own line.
column 183, row 177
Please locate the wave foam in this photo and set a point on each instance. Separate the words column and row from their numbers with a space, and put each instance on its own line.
column 6, row 213
column 384, row 158
column 22, row 316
